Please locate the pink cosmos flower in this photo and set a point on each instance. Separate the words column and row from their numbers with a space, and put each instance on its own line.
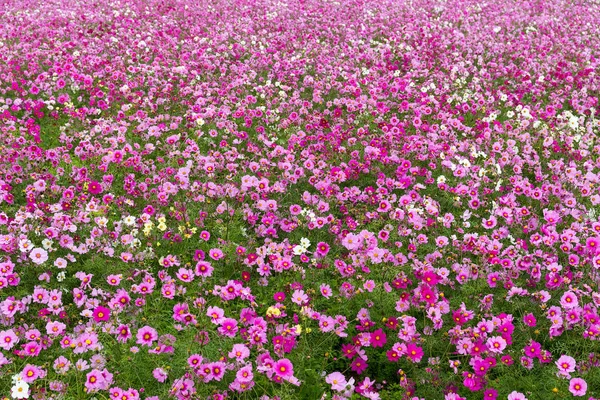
column 146, row 336
column 55, row 328
column 114, row 280
column 239, row 352
column 228, row 327
column 527, row 362
column 216, row 314
column 185, row 275
column 60, row 263
column 325, row 290
column 61, row 365
column 30, row 373
column 217, row 370
column 94, row 380
column 577, row 387
column 369, row 285
column 299, row 297
column 245, row 374
column 123, row 333
column 8, row 339
column 215, row 254
column 326, row 324
column 195, row 360
column 160, row 374
column 496, row 344
column 493, row 279
column 32, row 349
column 514, row 395
column 566, row 365
column 337, row 381
column 204, row 268
column 352, row 242
column 38, row 256
column 569, row 300
column 593, row 245
column 489, row 223
column 205, row 235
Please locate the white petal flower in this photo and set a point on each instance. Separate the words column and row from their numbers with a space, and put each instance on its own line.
column 20, row 390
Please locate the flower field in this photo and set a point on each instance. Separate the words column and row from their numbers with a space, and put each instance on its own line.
column 299, row 199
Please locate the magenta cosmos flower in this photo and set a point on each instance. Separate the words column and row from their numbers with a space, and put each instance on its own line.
column 228, row 327
column 279, row 297
column 94, row 187
column 533, row 349
column 283, row 368
column 101, row 314
column 378, row 338
column 593, row 244
column 322, row 249
column 414, row 352
column 529, row 320
column 359, row 365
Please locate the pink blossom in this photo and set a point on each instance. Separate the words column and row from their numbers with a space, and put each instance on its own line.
column 38, row 256
column 146, row 336
column 577, row 387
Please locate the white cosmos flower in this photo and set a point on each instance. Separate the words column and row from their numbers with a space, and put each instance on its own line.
column 20, row 390
column 298, row 250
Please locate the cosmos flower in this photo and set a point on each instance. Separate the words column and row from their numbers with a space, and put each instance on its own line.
column 94, row 187
column 146, row 336
column 228, row 327
column 578, row 387
column 160, row 374
column 283, row 368
column 38, row 256
column 101, row 314
column 336, row 380
column 569, row 300
column 565, row 364
column 514, row 395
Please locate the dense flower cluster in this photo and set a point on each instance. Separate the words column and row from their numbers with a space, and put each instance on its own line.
column 299, row 199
